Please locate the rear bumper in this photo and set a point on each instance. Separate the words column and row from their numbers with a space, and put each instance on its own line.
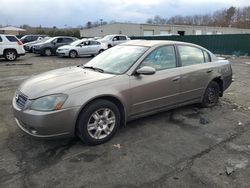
column 227, row 82
column 37, row 51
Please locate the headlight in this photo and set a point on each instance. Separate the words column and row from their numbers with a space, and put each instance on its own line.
column 49, row 103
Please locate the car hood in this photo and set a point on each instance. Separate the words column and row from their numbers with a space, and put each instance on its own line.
column 60, row 81
column 30, row 43
column 66, row 47
column 41, row 43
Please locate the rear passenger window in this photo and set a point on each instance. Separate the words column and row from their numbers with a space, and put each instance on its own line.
column 11, row 38
column 190, row 55
column 94, row 43
column 161, row 58
column 67, row 40
column 206, row 56
column 122, row 38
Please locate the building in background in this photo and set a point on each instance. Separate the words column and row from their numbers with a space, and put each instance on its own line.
column 131, row 29
column 11, row 30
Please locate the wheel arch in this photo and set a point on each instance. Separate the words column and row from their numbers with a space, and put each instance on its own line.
column 74, row 51
column 9, row 49
column 219, row 81
column 111, row 98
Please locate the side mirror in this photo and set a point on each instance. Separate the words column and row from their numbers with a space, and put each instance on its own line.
column 146, row 70
column 114, row 39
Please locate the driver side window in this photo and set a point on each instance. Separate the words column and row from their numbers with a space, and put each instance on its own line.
column 161, row 58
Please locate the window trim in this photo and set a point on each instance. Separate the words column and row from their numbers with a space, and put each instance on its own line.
column 208, row 54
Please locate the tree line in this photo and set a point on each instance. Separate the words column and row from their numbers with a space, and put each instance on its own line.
column 231, row 17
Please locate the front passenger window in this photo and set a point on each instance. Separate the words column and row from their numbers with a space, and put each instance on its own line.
column 161, row 58
column 59, row 40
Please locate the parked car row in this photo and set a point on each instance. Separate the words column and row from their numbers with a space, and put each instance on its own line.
column 65, row 46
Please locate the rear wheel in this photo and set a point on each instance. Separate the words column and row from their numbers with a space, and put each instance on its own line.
column 211, row 95
column 10, row 55
column 47, row 52
column 99, row 122
column 72, row 54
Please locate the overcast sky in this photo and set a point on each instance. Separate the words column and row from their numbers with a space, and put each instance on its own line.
column 77, row 12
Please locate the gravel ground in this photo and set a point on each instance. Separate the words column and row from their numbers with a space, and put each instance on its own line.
column 185, row 147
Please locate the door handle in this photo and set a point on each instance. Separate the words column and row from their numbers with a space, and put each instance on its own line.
column 209, row 71
column 176, row 78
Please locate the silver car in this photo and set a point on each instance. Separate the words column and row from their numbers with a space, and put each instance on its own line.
column 81, row 47
column 128, row 81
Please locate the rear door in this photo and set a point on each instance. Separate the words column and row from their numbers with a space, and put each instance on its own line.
column 152, row 92
column 195, row 70
column 122, row 39
column 94, row 47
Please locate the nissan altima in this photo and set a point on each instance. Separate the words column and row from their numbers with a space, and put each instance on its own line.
column 125, row 82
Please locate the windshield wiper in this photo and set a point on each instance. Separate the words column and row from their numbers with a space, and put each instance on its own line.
column 94, row 68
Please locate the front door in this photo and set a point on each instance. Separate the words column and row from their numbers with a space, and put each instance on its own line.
column 152, row 92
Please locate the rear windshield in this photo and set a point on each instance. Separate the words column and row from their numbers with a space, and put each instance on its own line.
column 12, row 38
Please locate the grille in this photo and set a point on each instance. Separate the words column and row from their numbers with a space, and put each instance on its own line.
column 21, row 100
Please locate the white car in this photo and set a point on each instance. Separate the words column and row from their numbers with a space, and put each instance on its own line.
column 112, row 40
column 81, row 48
column 10, row 47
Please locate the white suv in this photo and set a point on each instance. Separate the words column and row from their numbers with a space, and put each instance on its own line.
column 10, row 47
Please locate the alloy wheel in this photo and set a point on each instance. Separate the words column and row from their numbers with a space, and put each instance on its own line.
column 101, row 123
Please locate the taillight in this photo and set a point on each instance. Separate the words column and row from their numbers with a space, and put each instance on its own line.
column 19, row 42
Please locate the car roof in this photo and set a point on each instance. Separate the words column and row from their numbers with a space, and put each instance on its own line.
column 152, row 43
column 7, row 35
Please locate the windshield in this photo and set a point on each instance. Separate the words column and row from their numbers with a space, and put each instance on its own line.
column 75, row 42
column 51, row 39
column 108, row 37
column 117, row 60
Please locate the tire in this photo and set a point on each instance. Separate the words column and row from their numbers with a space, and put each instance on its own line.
column 98, row 122
column 73, row 54
column 47, row 52
column 10, row 55
column 100, row 51
column 211, row 95
column 109, row 46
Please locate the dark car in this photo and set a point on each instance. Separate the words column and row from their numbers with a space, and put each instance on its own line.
column 50, row 46
column 30, row 38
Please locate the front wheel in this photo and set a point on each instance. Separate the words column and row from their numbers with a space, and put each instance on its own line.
column 72, row 54
column 47, row 52
column 99, row 122
column 211, row 95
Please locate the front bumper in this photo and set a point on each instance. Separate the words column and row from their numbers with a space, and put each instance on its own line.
column 27, row 48
column 37, row 50
column 60, row 123
column 62, row 53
